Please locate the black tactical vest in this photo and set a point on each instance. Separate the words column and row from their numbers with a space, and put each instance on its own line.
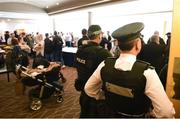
column 87, row 60
column 124, row 90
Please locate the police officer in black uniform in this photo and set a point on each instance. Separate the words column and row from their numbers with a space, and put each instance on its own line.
column 88, row 58
column 128, row 85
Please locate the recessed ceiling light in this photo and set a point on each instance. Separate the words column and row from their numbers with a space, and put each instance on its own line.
column 47, row 6
column 57, row 3
column 8, row 20
column 25, row 0
column 106, row 0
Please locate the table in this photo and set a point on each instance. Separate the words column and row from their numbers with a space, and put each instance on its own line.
column 69, row 55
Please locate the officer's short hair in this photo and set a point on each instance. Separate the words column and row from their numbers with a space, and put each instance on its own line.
column 126, row 46
column 94, row 31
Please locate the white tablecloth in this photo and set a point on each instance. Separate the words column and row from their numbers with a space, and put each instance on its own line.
column 69, row 49
column 2, row 51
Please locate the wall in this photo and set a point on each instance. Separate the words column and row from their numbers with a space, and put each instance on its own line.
column 71, row 22
column 36, row 25
column 24, row 16
column 113, row 15
column 20, row 7
column 174, row 52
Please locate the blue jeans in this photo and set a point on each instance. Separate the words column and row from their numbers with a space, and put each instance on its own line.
column 58, row 57
column 49, row 57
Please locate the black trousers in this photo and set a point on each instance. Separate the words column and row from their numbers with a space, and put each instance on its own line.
column 88, row 106
column 92, row 108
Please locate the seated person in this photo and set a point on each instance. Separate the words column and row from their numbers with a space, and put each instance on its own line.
column 38, row 67
column 18, row 54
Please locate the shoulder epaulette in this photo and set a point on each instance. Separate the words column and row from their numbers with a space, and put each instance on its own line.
column 111, row 57
column 151, row 67
column 143, row 62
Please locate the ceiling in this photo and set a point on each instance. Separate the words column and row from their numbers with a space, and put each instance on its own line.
column 38, row 3
column 54, row 6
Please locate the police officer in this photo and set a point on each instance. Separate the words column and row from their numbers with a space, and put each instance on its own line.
column 128, row 85
column 88, row 57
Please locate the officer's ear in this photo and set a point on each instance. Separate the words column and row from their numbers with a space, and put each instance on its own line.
column 138, row 45
column 100, row 37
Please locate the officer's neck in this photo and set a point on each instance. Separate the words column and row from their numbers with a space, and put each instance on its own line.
column 132, row 52
column 96, row 41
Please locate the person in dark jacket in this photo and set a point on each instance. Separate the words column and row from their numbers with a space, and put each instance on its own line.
column 84, row 38
column 6, row 36
column 164, row 69
column 16, row 34
column 167, row 47
column 48, row 48
column 19, row 56
column 161, row 40
column 104, row 42
column 57, row 45
column 87, row 59
column 109, row 41
column 154, row 53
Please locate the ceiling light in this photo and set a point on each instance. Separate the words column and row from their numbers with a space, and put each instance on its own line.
column 25, row 0
column 8, row 20
column 47, row 6
column 106, row 0
column 57, row 3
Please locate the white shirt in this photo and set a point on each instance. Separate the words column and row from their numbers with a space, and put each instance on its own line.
column 154, row 89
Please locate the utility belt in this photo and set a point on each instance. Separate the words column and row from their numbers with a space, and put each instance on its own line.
column 121, row 114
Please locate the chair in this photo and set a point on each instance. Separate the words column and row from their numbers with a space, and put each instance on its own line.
column 10, row 64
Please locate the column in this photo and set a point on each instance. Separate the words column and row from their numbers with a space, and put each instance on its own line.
column 174, row 52
column 89, row 18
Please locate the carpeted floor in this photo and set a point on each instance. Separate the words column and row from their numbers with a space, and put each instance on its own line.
column 17, row 106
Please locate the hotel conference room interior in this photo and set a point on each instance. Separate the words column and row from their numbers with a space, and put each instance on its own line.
column 30, row 27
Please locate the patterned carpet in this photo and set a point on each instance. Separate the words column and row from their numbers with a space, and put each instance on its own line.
column 17, row 106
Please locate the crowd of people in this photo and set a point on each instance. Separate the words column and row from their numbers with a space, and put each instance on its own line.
column 119, row 75
column 49, row 47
